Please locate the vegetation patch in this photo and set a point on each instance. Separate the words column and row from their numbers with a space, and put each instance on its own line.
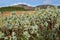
column 43, row 24
column 12, row 9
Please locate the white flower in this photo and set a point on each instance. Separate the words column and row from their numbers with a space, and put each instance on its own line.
column 13, row 33
column 26, row 34
column 34, row 29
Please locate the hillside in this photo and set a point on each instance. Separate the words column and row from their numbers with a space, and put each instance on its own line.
column 23, row 7
column 45, row 6
column 12, row 9
column 20, row 7
column 26, row 7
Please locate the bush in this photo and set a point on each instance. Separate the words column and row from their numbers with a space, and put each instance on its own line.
column 44, row 24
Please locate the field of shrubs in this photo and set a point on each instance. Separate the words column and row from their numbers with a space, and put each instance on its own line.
column 43, row 24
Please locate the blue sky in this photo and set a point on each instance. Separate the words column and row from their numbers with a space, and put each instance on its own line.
column 29, row 2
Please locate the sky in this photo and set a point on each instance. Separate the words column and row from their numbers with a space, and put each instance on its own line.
column 28, row 2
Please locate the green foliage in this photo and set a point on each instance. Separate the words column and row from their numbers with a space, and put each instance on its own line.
column 42, row 25
column 12, row 9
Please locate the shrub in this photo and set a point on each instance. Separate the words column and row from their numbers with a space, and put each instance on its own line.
column 44, row 24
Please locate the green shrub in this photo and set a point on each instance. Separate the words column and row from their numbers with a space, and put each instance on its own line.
column 42, row 25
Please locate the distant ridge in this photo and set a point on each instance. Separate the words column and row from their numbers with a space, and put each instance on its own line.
column 27, row 7
column 24, row 7
column 45, row 6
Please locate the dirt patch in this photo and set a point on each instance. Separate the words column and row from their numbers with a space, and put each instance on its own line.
column 18, row 12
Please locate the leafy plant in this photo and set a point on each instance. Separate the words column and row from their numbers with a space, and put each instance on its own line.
column 42, row 25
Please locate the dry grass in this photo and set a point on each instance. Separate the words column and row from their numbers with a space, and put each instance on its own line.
column 18, row 12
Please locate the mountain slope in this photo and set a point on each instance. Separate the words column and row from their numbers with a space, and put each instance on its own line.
column 19, row 7
column 45, row 6
column 12, row 9
column 23, row 7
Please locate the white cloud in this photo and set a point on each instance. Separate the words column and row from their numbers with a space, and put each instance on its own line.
column 21, row 3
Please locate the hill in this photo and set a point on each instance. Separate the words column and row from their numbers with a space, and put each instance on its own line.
column 45, row 6
column 12, row 9
column 26, row 7
column 23, row 7
column 19, row 7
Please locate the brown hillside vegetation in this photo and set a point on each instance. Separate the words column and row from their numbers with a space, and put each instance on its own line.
column 7, row 13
